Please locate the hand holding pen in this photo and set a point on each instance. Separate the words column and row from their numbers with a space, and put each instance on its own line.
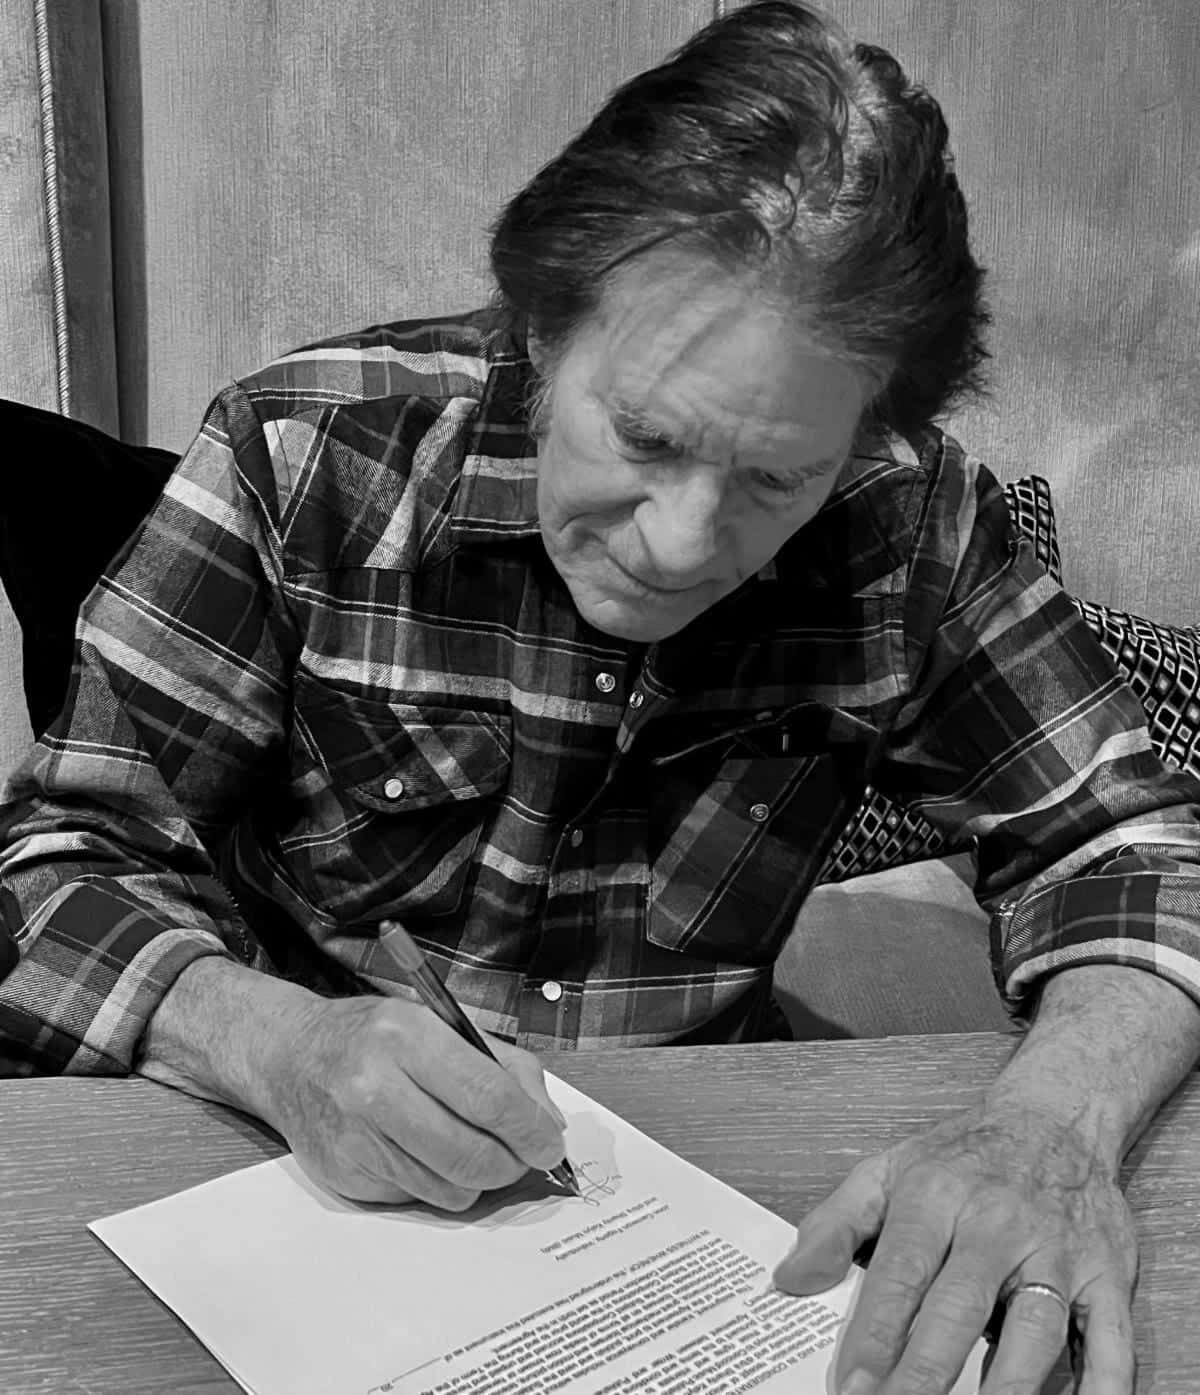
column 400, row 947
column 380, row 1104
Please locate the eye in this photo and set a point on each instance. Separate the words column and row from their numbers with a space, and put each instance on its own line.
column 785, row 485
column 639, row 440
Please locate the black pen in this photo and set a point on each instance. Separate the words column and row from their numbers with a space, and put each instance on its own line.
column 399, row 945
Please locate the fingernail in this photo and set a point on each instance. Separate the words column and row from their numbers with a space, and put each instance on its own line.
column 858, row 1382
column 557, row 1113
column 794, row 1275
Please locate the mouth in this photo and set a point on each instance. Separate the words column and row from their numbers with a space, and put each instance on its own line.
column 650, row 587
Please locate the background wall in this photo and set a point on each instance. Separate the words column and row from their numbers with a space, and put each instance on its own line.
column 282, row 169
column 276, row 170
column 1076, row 128
column 285, row 169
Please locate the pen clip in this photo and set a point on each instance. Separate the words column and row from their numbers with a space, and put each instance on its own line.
column 406, row 954
column 402, row 948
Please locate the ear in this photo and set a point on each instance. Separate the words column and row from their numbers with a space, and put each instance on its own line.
column 536, row 350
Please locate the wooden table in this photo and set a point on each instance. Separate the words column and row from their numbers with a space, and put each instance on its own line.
column 781, row 1122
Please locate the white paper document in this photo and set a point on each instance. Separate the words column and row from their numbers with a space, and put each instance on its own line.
column 657, row 1281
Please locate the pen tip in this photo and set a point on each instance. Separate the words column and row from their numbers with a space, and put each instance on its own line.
column 564, row 1175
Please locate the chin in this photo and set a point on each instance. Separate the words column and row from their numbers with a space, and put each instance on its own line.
column 623, row 620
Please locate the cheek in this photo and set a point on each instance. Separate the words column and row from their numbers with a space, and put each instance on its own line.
column 575, row 481
column 761, row 532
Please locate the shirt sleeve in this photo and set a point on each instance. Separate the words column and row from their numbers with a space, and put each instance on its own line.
column 111, row 826
column 1019, row 731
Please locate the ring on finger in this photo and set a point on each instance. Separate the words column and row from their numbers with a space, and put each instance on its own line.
column 1043, row 1291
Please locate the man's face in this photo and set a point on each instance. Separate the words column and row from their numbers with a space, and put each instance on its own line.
column 689, row 433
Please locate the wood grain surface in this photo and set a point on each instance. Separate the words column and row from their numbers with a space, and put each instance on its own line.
column 782, row 1123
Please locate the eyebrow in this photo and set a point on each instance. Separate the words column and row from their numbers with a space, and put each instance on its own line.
column 629, row 415
column 818, row 467
column 638, row 417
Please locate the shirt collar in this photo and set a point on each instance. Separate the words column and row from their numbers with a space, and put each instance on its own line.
column 496, row 498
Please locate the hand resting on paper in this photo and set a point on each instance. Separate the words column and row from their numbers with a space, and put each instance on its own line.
column 986, row 1199
column 378, row 1099
column 1021, row 1190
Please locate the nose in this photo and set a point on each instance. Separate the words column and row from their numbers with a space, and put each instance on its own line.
column 680, row 525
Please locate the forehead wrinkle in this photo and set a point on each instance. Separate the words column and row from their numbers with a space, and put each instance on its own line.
column 688, row 409
column 662, row 349
column 713, row 429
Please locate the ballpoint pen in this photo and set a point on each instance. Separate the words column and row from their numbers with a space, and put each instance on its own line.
column 399, row 945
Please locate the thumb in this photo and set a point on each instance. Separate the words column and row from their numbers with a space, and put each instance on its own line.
column 827, row 1238
column 527, row 1070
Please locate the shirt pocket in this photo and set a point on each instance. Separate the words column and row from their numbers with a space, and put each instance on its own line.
column 735, row 860
column 396, row 797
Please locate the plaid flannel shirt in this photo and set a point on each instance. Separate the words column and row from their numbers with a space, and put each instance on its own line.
column 334, row 678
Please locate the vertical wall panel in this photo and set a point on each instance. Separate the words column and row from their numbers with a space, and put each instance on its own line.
column 284, row 169
column 1076, row 127
column 74, row 64
column 28, row 361
column 28, row 349
column 34, row 322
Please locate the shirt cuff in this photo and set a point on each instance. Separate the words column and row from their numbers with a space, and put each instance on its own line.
column 96, row 970
column 1144, row 919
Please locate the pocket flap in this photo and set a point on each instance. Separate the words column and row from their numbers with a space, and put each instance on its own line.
column 396, row 758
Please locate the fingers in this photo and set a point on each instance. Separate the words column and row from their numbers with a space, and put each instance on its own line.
column 392, row 1105
column 384, row 1175
column 1031, row 1340
column 423, row 1127
column 913, row 1243
column 979, row 1204
column 532, row 1078
column 1107, row 1362
column 498, row 1102
column 393, row 1142
column 828, row 1236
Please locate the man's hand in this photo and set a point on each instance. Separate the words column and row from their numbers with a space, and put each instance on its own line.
column 377, row 1097
column 983, row 1203
column 384, row 1102
column 1020, row 1190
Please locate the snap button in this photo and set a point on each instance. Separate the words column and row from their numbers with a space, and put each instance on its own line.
column 636, row 699
column 760, row 812
column 576, row 837
column 552, row 990
column 605, row 682
column 393, row 789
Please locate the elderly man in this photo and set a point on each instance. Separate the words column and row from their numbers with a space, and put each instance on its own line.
column 568, row 633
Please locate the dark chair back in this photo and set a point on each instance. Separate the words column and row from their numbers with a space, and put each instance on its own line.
column 71, row 496
column 9, row 953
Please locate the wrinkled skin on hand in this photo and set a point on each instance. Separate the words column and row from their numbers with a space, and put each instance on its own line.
column 381, row 1101
column 1000, row 1196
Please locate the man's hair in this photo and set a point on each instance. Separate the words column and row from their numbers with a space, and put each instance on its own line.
column 784, row 153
